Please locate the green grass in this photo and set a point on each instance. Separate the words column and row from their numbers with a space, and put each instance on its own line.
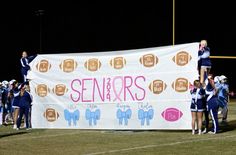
column 96, row 142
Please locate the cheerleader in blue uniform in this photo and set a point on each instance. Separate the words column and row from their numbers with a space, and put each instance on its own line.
column 212, row 104
column 223, row 95
column 204, row 62
column 197, row 106
column 5, row 104
column 25, row 60
column 15, row 103
column 24, row 104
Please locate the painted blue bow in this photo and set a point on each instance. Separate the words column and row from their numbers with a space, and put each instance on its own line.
column 92, row 116
column 74, row 116
column 145, row 115
column 123, row 116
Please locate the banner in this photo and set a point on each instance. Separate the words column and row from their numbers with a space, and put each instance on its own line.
column 132, row 89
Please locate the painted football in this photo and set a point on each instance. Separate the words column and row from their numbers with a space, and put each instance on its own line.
column 118, row 62
column 182, row 58
column 68, row 65
column 92, row 64
column 157, row 86
column 181, row 85
column 60, row 89
column 42, row 90
column 43, row 66
column 148, row 60
column 171, row 114
column 51, row 115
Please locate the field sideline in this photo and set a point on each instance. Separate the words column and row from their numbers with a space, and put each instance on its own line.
column 97, row 142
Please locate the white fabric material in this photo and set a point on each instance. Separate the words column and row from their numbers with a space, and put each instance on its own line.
column 133, row 89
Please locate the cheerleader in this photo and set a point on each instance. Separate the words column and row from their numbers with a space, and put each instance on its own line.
column 4, row 100
column 24, row 103
column 204, row 62
column 212, row 104
column 15, row 103
column 223, row 95
column 197, row 106
column 25, row 60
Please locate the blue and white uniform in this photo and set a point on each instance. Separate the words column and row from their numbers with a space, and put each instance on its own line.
column 1, row 90
column 16, row 99
column 223, row 90
column 24, row 103
column 25, row 66
column 204, row 58
column 197, row 103
column 212, row 106
column 5, row 100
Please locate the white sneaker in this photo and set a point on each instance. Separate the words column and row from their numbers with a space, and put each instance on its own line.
column 219, row 112
column 204, row 131
column 211, row 132
column 17, row 129
column 199, row 132
column 14, row 126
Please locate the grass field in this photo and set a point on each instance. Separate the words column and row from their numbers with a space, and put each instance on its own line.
column 90, row 142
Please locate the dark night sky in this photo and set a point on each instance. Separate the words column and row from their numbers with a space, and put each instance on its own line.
column 68, row 28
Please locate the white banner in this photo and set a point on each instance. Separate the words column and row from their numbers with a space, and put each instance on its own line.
column 133, row 89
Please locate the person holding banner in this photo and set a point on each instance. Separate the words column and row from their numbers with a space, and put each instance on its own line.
column 212, row 104
column 204, row 62
column 24, row 104
column 197, row 107
column 25, row 60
